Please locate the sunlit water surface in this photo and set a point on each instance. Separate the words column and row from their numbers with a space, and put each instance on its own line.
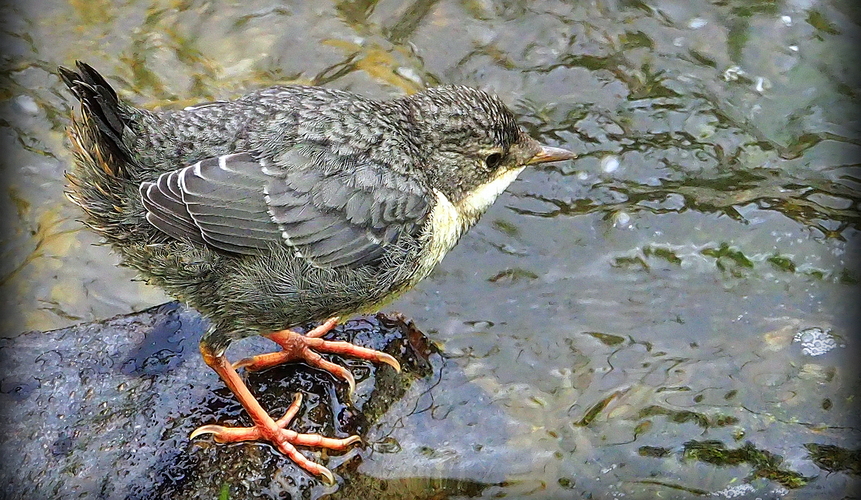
column 670, row 314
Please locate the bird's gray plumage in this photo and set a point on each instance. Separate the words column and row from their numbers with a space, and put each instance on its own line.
column 331, row 216
column 293, row 203
column 290, row 205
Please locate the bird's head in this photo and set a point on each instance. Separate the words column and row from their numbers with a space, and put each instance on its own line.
column 474, row 147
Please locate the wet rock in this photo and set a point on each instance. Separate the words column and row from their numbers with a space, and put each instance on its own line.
column 104, row 410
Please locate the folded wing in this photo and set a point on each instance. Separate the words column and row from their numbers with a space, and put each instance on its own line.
column 333, row 210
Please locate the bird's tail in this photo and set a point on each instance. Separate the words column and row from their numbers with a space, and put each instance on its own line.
column 108, row 117
column 101, row 181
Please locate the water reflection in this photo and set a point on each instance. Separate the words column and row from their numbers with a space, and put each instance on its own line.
column 606, row 312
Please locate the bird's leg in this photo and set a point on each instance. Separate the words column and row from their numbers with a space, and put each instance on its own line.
column 298, row 347
column 265, row 428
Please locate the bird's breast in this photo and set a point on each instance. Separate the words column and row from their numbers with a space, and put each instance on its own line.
column 449, row 221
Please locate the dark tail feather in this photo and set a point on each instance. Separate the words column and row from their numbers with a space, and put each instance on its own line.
column 101, row 105
column 101, row 181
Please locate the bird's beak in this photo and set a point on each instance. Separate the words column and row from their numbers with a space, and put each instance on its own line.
column 547, row 154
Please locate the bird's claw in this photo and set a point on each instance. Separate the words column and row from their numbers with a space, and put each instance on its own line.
column 389, row 360
column 276, row 432
column 298, row 347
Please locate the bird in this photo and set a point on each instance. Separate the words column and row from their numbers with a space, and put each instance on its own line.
column 290, row 205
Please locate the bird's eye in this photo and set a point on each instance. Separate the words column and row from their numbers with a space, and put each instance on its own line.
column 493, row 160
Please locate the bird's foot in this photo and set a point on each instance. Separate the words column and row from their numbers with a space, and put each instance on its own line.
column 306, row 347
column 276, row 432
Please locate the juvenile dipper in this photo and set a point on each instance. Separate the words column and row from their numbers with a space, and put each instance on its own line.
column 289, row 205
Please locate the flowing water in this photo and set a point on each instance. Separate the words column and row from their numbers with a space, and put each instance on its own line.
column 671, row 314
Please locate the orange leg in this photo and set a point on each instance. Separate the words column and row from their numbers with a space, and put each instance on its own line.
column 265, row 428
column 296, row 347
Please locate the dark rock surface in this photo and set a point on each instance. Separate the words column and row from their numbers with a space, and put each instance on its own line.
column 104, row 410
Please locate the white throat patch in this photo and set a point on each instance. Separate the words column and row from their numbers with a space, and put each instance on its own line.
column 449, row 222
column 478, row 201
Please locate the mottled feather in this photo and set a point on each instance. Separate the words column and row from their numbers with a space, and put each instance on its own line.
column 306, row 198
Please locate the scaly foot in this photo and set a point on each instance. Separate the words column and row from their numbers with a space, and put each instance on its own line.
column 276, row 432
column 265, row 428
column 296, row 347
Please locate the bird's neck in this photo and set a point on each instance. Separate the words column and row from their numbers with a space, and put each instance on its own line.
column 449, row 221
column 473, row 205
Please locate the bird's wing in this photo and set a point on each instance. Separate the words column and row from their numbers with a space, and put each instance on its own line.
column 333, row 210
